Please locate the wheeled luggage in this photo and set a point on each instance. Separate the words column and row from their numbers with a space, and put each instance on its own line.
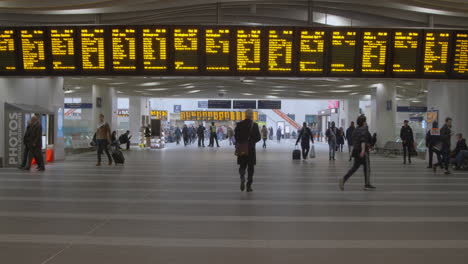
column 118, row 156
column 296, row 154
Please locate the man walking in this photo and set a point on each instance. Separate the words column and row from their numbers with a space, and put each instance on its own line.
column 247, row 134
column 264, row 136
column 35, row 144
column 331, row 133
column 406, row 136
column 201, row 135
column 26, row 144
column 445, row 136
column 361, row 140
column 349, row 138
column 305, row 135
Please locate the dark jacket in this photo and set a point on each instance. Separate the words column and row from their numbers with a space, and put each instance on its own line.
column 27, row 136
column 248, row 130
column 201, row 131
column 305, row 135
column 35, row 137
column 340, row 138
column 349, row 134
column 331, row 135
column 406, row 134
column 185, row 132
column 461, row 145
column 361, row 135
column 445, row 134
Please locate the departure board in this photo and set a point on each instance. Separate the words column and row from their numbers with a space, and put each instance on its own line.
column 249, row 50
column 33, row 49
column 186, row 49
column 154, row 48
column 436, row 52
column 62, row 43
column 312, row 51
column 217, row 49
column 405, row 52
column 93, row 49
column 343, row 49
column 280, row 43
column 460, row 64
column 7, row 50
column 124, row 49
column 374, row 52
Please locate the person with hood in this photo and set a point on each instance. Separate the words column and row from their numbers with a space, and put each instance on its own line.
column 331, row 135
column 201, row 135
column 305, row 136
column 185, row 135
column 407, row 139
column 349, row 138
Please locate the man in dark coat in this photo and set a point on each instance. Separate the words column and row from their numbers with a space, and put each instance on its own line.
column 406, row 136
column 305, row 136
column 35, row 144
column 349, row 138
column 445, row 138
column 185, row 135
column 26, row 145
column 201, row 135
column 247, row 132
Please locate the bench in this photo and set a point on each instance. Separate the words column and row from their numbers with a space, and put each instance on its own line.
column 391, row 148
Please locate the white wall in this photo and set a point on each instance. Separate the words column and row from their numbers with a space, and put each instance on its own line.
column 46, row 92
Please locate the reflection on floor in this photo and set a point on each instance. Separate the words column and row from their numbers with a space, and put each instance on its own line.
column 182, row 205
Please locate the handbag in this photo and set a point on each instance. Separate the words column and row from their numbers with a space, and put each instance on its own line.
column 312, row 152
column 242, row 149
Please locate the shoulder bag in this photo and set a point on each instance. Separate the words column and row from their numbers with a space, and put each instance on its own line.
column 242, row 149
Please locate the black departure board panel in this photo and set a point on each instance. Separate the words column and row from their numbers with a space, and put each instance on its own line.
column 249, row 46
column 7, row 50
column 343, row 49
column 460, row 64
column 405, row 51
column 145, row 50
column 33, row 49
column 436, row 52
column 280, row 44
column 93, row 49
column 154, row 49
column 124, row 49
column 186, row 49
column 312, row 51
column 374, row 52
column 62, row 45
column 218, row 49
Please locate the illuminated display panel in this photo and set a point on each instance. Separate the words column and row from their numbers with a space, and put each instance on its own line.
column 405, row 52
column 312, row 51
column 62, row 43
column 280, row 43
column 7, row 50
column 124, row 49
column 154, row 48
column 186, row 49
column 217, row 49
column 249, row 50
column 436, row 52
column 460, row 64
column 343, row 51
column 33, row 49
column 374, row 51
column 93, row 49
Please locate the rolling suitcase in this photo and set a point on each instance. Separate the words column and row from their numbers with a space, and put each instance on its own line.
column 118, row 156
column 296, row 154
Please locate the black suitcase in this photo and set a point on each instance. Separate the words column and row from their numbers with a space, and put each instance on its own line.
column 296, row 154
column 118, row 156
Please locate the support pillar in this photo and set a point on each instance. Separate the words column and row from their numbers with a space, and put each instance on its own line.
column 350, row 110
column 383, row 120
column 138, row 107
column 108, row 107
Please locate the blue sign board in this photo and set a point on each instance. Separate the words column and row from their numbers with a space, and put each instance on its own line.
column 412, row 109
column 203, row 104
column 177, row 108
column 219, row 104
column 269, row 104
column 78, row 106
column 245, row 104
column 262, row 118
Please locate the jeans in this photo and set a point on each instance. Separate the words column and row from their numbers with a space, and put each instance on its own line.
column 358, row 161
column 438, row 153
column 407, row 147
column 213, row 137
column 264, row 142
column 102, row 146
column 249, row 166
column 305, row 150
column 461, row 157
column 201, row 140
column 445, row 157
column 350, row 149
column 332, row 149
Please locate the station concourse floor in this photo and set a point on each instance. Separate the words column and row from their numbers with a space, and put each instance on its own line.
column 183, row 205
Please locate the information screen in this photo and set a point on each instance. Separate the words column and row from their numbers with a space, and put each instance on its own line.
column 343, row 51
column 249, row 50
column 7, row 50
column 460, row 65
column 62, row 43
column 405, row 52
column 217, row 49
column 124, row 49
column 33, row 49
column 154, row 48
column 93, row 49
column 436, row 52
column 312, row 51
column 374, row 51
column 280, row 43
column 186, row 49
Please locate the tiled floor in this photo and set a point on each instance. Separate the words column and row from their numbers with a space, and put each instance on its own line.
column 183, row 205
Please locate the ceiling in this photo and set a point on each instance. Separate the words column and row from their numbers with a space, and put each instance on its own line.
column 383, row 13
column 235, row 87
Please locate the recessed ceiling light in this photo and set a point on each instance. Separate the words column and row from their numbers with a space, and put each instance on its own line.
column 136, row 91
column 277, row 90
column 308, row 92
column 119, row 92
column 105, row 79
column 223, row 90
column 194, row 91
column 69, row 92
column 349, row 85
column 220, row 86
column 271, row 96
column 77, row 88
column 150, row 84
column 157, row 89
column 117, row 83
column 280, row 86
column 186, row 84
column 248, row 81
column 247, row 94
column 353, row 93
column 416, row 101
column 339, row 91
column 189, row 87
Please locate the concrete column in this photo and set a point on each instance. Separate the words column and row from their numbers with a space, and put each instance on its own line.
column 350, row 110
column 138, row 107
column 108, row 105
column 450, row 99
column 384, row 113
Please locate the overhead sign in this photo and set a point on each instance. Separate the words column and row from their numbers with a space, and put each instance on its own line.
column 220, row 104
column 244, row 104
column 333, row 104
column 159, row 114
column 177, row 108
column 214, row 115
column 78, row 105
column 203, row 104
column 122, row 112
column 269, row 104
column 412, row 109
column 433, row 116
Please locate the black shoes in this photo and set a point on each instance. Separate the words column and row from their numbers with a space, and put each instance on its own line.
column 429, row 167
column 41, row 169
column 249, row 188
column 341, row 184
column 242, row 186
column 447, row 172
column 369, row 187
